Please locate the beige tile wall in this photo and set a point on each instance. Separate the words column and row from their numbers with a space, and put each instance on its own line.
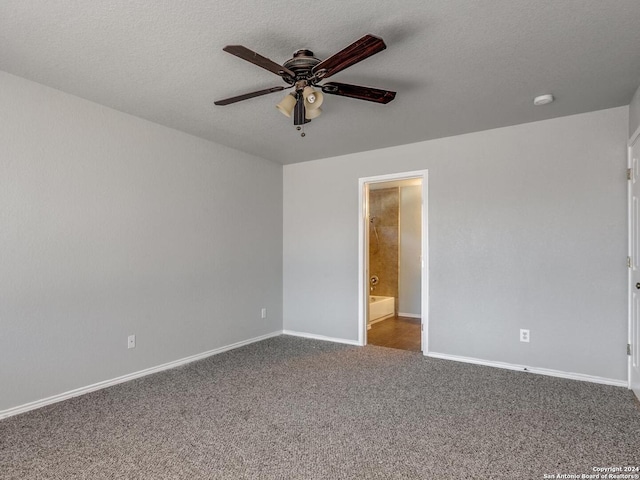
column 383, row 251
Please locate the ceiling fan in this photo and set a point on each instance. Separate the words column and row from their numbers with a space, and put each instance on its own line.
column 304, row 71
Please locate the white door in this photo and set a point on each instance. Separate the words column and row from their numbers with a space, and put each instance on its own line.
column 634, row 271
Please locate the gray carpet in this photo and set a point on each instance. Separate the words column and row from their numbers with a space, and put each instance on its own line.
column 291, row 408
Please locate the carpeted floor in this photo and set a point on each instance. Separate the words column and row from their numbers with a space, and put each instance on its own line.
column 291, row 408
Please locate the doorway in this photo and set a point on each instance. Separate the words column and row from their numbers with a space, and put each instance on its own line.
column 393, row 261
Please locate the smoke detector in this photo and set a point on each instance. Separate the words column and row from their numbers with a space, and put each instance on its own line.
column 543, row 99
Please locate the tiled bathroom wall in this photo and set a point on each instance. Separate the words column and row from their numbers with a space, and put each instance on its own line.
column 384, row 207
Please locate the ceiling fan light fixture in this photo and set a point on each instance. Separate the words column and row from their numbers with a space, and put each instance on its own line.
column 312, row 98
column 311, row 114
column 287, row 104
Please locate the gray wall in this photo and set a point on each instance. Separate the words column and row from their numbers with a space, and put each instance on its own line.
column 527, row 229
column 634, row 113
column 111, row 225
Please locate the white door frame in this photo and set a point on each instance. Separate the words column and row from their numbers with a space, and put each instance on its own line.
column 630, row 260
column 363, row 251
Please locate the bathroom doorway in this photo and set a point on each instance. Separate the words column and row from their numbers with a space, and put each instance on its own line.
column 393, row 261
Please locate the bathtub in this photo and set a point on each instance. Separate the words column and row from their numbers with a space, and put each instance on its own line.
column 381, row 308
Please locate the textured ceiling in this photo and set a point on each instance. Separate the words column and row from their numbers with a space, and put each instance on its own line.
column 458, row 65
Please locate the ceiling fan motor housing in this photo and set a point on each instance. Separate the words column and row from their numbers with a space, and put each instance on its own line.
column 301, row 64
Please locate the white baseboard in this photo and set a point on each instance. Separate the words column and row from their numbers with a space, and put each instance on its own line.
column 176, row 363
column 320, row 337
column 410, row 315
column 131, row 376
column 539, row 371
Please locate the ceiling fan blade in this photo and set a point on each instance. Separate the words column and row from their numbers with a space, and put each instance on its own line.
column 354, row 53
column 263, row 62
column 246, row 96
column 356, row 91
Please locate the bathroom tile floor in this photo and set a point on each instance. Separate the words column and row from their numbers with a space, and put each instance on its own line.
column 397, row 332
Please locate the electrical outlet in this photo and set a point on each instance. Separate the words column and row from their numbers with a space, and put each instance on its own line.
column 131, row 341
column 263, row 313
column 524, row 335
